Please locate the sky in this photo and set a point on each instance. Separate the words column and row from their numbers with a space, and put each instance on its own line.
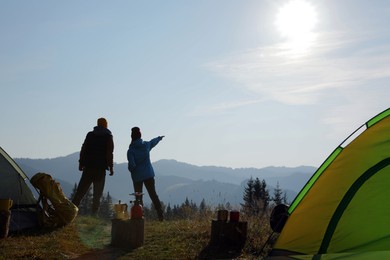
column 230, row 83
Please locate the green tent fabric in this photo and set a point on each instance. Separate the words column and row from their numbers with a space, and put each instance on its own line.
column 344, row 209
column 13, row 185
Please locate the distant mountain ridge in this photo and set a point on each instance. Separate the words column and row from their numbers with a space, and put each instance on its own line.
column 225, row 174
column 176, row 181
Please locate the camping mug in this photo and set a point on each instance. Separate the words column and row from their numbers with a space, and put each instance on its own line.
column 5, row 204
column 234, row 216
column 222, row 215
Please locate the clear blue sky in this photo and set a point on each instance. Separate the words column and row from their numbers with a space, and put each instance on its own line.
column 223, row 80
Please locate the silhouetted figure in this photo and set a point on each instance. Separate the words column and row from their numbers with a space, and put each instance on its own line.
column 96, row 156
column 140, row 166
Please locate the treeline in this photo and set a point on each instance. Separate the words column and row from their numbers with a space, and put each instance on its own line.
column 256, row 201
column 257, row 198
column 106, row 209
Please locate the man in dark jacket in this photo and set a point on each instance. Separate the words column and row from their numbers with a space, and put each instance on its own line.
column 96, row 156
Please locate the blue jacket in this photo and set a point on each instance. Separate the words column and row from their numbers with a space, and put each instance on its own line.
column 138, row 157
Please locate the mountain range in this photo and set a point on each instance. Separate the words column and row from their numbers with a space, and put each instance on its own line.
column 176, row 181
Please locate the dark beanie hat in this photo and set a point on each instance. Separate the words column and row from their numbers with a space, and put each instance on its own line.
column 135, row 133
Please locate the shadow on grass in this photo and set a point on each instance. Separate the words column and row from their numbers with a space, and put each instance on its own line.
column 221, row 250
column 107, row 253
column 41, row 231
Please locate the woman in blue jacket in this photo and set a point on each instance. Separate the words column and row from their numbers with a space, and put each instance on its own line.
column 140, row 166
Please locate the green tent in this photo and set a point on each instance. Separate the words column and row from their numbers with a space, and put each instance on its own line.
column 14, row 186
column 344, row 209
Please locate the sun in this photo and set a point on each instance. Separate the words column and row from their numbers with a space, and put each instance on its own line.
column 296, row 21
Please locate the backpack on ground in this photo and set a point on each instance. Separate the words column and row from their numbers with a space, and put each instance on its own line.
column 58, row 210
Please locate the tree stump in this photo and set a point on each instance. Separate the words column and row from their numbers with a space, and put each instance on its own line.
column 127, row 233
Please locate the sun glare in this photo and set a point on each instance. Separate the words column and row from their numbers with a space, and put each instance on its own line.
column 295, row 21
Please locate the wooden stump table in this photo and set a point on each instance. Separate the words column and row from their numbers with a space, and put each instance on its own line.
column 228, row 234
column 127, row 233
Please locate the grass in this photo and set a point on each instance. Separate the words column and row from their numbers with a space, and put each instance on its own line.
column 90, row 238
column 93, row 232
column 182, row 239
column 63, row 243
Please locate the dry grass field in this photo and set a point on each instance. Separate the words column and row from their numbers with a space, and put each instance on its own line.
column 90, row 238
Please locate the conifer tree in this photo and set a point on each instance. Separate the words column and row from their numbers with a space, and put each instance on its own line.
column 194, row 207
column 85, row 206
column 248, row 197
column 256, row 197
column 278, row 193
column 169, row 212
column 176, row 212
column 185, row 209
column 265, row 195
column 203, row 207
column 106, row 207
column 73, row 192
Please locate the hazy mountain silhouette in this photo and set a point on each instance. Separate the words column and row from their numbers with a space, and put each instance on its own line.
column 176, row 181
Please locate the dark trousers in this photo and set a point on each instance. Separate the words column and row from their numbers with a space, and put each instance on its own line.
column 151, row 188
column 94, row 176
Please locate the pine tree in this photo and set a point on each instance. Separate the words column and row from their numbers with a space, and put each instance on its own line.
column 176, row 212
column 187, row 202
column 256, row 197
column 185, row 209
column 193, row 206
column 277, row 198
column 248, row 197
column 203, row 208
column 265, row 197
column 106, row 207
column 169, row 212
column 73, row 191
column 85, row 206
